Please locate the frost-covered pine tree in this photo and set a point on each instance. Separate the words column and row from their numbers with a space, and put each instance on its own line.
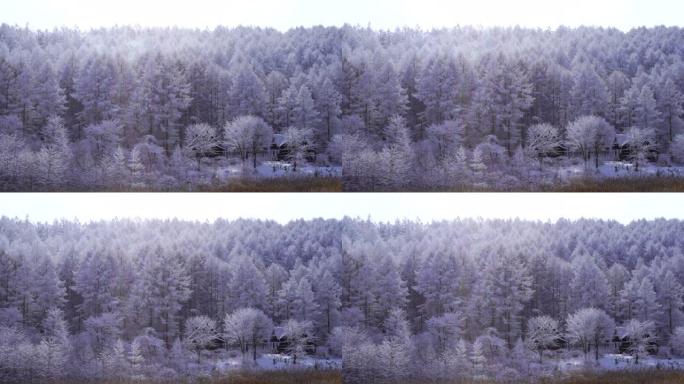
column 445, row 137
column 588, row 287
column 247, row 287
column 617, row 276
column 677, row 341
column 437, row 282
column 445, row 330
column 460, row 356
column 114, row 361
column 670, row 297
column 55, row 346
column 327, row 295
column 160, row 99
column 55, row 326
column 135, row 357
column 670, row 104
column 437, row 87
column 647, row 114
column 477, row 164
column 135, row 165
column 274, row 276
column 161, row 287
column 94, row 89
column 507, row 287
column 48, row 96
column 394, row 352
column 397, row 155
column 117, row 169
column 247, row 95
column 589, row 93
column 677, row 148
column 616, row 83
column 55, row 154
column 305, row 114
column 390, row 97
column 328, row 102
column 629, row 103
column 456, row 166
column 94, row 282
column 276, row 82
column 477, row 357
column 287, row 103
column 521, row 356
column 647, row 306
column 178, row 356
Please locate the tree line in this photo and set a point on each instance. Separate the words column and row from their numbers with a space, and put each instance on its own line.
column 438, row 295
column 408, row 106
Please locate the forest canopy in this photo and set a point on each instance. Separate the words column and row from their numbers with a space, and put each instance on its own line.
column 349, row 283
column 409, row 107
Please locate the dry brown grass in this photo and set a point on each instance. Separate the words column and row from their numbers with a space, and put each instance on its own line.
column 334, row 377
column 623, row 377
column 280, row 184
column 280, row 377
column 619, row 377
column 247, row 377
column 623, row 184
column 330, row 184
column 617, row 184
column 283, row 184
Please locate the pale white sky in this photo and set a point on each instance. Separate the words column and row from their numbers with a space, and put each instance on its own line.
column 283, row 207
column 380, row 14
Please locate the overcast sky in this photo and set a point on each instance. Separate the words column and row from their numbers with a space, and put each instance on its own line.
column 283, row 207
column 380, row 14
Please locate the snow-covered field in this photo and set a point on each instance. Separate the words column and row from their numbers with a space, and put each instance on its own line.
column 272, row 361
column 268, row 169
column 615, row 362
column 279, row 169
column 619, row 169
column 276, row 361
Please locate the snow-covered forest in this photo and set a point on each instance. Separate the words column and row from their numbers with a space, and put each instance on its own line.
column 170, row 108
column 464, row 298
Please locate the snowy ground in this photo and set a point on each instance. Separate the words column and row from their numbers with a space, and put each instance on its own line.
column 271, row 361
column 618, row 169
column 614, row 362
column 275, row 361
column 276, row 169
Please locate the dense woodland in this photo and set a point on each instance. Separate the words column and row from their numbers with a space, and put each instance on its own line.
column 120, row 107
column 446, row 299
